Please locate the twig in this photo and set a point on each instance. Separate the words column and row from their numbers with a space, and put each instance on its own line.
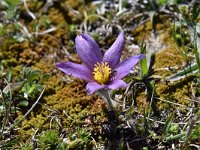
column 150, row 105
column 45, row 32
column 171, row 102
column 28, row 11
column 161, row 122
column 9, row 107
column 125, row 97
column 188, row 133
column 191, row 126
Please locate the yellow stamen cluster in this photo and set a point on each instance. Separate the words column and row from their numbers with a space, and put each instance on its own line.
column 102, row 72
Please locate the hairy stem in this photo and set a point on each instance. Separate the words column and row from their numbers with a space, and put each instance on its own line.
column 106, row 97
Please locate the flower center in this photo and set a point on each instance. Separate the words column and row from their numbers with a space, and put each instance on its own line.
column 101, row 72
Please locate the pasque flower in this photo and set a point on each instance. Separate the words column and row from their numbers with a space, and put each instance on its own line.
column 100, row 71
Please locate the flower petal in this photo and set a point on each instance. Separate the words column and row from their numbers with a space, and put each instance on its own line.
column 75, row 70
column 113, row 54
column 88, row 50
column 124, row 67
column 117, row 84
column 93, row 87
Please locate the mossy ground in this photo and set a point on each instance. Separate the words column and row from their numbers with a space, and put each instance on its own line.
column 169, row 57
column 65, row 105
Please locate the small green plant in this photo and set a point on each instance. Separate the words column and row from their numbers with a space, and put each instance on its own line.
column 28, row 85
column 32, row 84
column 9, row 20
column 79, row 139
column 16, row 94
column 27, row 147
column 49, row 140
column 10, row 7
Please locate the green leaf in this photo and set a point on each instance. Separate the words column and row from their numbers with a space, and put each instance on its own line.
column 10, row 143
column 167, row 124
column 28, row 89
column 31, row 89
column 174, row 128
column 2, row 30
column 12, row 3
column 197, row 50
column 143, row 62
column 43, row 79
column 39, row 88
column 33, row 75
column 23, row 103
column 9, row 75
column 193, row 69
column 173, row 137
column 26, row 71
column 162, row 2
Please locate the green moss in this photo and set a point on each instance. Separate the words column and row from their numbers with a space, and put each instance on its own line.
column 70, row 107
column 49, row 140
column 169, row 56
column 177, row 92
column 65, row 105
column 74, row 101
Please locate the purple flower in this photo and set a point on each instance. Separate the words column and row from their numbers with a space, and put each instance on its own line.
column 100, row 71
